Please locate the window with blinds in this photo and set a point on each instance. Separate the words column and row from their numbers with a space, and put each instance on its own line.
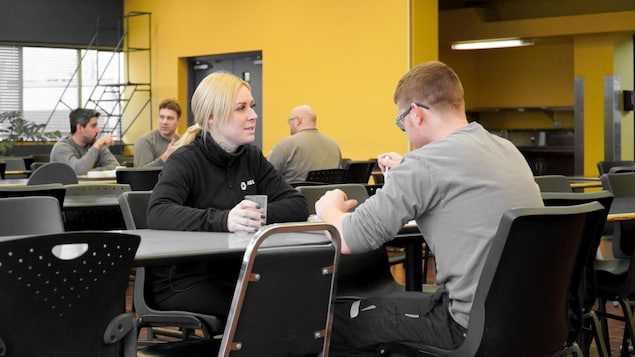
column 45, row 84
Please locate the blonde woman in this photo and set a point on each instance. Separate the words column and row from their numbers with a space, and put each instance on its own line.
column 202, row 188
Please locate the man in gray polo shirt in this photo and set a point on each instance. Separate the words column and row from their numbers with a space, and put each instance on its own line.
column 82, row 150
column 153, row 148
column 456, row 185
column 306, row 149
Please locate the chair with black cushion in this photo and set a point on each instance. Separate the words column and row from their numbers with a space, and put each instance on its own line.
column 30, row 215
column 329, row 176
column 55, row 190
column 358, row 171
column 605, row 166
column 133, row 208
column 516, row 310
column 140, row 178
column 94, row 206
column 72, row 307
column 360, row 275
column 616, row 278
column 585, row 323
column 53, row 172
column 553, row 183
column 621, row 169
column 282, row 304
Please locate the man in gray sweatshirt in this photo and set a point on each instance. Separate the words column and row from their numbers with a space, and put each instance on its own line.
column 82, row 150
column 456, row 185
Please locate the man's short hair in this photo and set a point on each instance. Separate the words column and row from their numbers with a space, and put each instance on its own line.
column 432, row 83
column 81, row 116
column 172, row 105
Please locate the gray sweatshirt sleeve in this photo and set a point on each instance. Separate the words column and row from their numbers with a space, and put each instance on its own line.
column 277, row 158
column 144, row 155
column 404, row 196
column 63, row 152
column 107, row 160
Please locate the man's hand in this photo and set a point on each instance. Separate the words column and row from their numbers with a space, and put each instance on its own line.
column 104, row 141
column 332, row 207
column 246, row 216
column 388, row 160
column 169, row 150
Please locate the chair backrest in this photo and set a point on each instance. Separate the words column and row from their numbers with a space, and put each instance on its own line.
column 358, row 171
column 621, row 169
column 328, row 176
column 553, row 183
column 516, row 311
column 36, row 165
column 55, row 190
column 67, row 305
column 139, row 179
column 30, row 215
column 283, row 298
column 114, row 190
column 134, row 205
column 605, row 166
column 53, row 172
column 621, row 185
column 313, row 193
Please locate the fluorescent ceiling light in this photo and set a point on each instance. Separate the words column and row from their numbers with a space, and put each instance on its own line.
column 496, row 43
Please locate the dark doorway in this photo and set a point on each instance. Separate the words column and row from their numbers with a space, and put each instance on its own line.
column 245, row 65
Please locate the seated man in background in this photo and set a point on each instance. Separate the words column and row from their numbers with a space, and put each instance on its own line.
column 306, row 149
column 153, row 148
column 456, row 184
column 82, row 150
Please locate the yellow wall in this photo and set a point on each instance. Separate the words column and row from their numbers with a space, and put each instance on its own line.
column 341, row 56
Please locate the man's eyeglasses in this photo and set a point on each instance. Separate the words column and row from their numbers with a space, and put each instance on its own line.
column 400, row 117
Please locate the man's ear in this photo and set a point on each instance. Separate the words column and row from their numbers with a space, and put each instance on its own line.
column 420, row 115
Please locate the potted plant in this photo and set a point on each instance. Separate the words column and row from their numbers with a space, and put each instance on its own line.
column 14, row 129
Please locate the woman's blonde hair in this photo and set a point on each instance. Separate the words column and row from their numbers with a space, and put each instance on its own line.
column 213, row 98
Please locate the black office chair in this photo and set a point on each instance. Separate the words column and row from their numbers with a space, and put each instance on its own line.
column 360, row 275
column 70, row 307
column 282, row 303
column 133, row 207
column 605, row 166
column 139, row 179
column 30, row 215
column 55, row 190
column 585, row 322
column 616, row 278
column 53, row 172
column 358, row 171
column 517, row 311
column 330, row 176
column 553, row 183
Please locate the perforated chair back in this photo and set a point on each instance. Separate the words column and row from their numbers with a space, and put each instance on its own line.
column 282, row 302
column 53, row 172
column 30, row 215
column 134, row 205
column 55, row 190
column 329, row 176
column 114, row 190
column 605, row 166
column 71, row 307
column 139, row 179
column 358, row 171
column 553, row 183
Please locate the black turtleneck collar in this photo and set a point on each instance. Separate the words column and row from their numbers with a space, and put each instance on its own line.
column 215, row 153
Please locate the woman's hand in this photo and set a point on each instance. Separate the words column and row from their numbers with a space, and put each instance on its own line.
column 246, row 216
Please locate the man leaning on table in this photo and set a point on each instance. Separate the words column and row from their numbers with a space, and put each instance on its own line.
column 82, row 150
column 456, row 185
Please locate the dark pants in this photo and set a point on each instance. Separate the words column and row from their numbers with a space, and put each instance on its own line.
column 414, row 318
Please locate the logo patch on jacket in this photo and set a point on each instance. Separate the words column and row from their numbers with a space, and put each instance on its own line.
column 243, row 184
